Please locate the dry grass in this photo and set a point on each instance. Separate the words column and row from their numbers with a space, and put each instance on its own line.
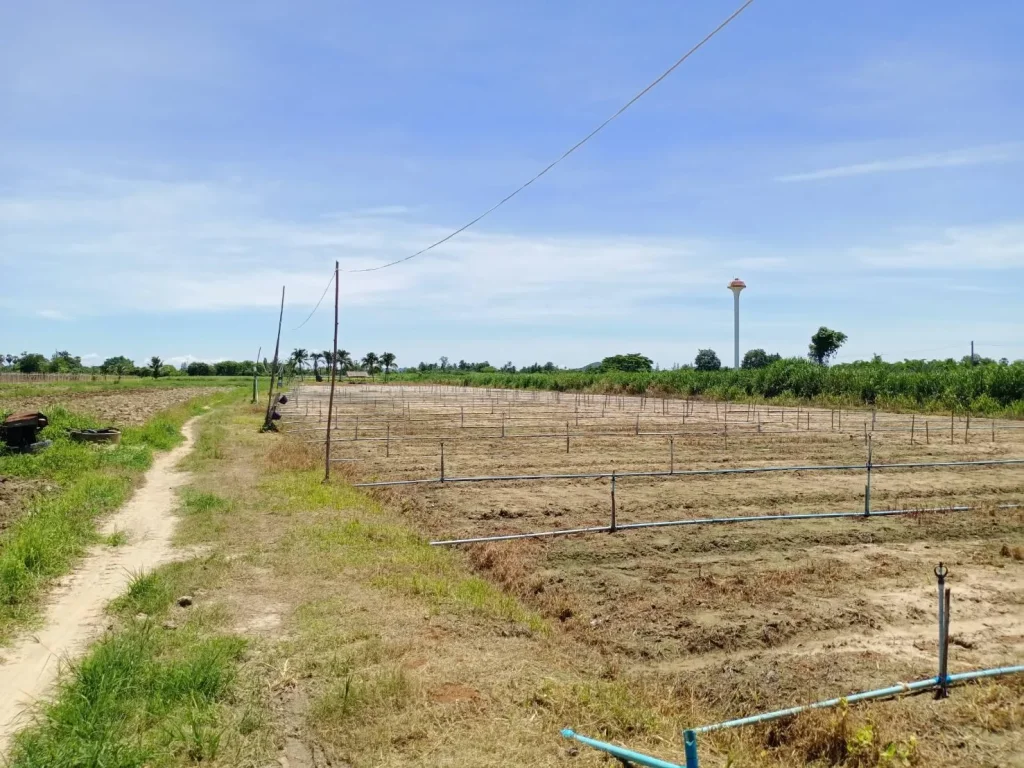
column 367, row 647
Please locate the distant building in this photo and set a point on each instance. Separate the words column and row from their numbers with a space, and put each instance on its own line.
column 356, row 375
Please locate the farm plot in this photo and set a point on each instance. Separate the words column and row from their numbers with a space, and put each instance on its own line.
column 769, row 612
column 120, row 408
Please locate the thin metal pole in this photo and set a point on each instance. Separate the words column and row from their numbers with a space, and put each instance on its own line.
column 867, row 486
column 611, row 529
column 941, row 571
column 913, row 419
column 671, row 455
column 334, row 368
column 442, row 461
column 567, row 437
column 387, row 443
column 942, row 690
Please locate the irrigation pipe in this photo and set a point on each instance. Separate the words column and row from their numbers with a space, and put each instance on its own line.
column 689, row 472
column 628, row 756
column 880, row 693
column 712, row 521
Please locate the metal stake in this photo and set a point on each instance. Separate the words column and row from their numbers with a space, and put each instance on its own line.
column 611, row 529
column 867, row 485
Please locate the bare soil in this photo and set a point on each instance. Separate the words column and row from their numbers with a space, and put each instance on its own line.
column 122, row 408
column 764, row 614
column 15, row 493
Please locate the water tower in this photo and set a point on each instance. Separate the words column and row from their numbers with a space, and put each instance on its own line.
column 736, row 286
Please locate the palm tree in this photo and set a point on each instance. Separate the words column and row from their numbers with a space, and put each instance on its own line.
column 370, row 363
column 298, row 358
column 344, row 360
column 315, row 357
column 387, row 359
column 154, row 365
column 328, row 358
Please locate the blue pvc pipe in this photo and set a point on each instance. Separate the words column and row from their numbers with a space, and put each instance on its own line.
column 622, row 753
column 881, row 693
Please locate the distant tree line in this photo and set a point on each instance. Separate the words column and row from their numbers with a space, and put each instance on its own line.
column 444, row 365
column 120, row 365
column 301, row 362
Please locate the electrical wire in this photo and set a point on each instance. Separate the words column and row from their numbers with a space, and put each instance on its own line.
column 569, row 151
column 327, row 288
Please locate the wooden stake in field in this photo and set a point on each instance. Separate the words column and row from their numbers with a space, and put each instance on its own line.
column 913, row 418
column 927, row 437
column 951, row 426
column 255, row 377
column 267, row 421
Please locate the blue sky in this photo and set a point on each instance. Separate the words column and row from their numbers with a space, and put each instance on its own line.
column 166, row 167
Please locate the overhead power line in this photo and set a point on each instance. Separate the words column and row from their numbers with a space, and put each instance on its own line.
column 326, row 288
column 568, row 152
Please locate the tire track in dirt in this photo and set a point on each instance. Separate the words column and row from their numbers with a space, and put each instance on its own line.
column 75, row 614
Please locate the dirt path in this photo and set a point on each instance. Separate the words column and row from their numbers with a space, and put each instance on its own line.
column 75, row 615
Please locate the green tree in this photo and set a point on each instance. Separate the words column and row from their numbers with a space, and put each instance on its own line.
column 345, row 360
column 316, row 357
column 387, row 359
column 758, row 358
column 155, row 365
column 370, row 363
column 631, row 362
column 198, row 368
column 443, row 362
column 707, row 360
column 298, row 359
column 31, row 362
column 119, row 365
column 824, row 345
column 65, row 362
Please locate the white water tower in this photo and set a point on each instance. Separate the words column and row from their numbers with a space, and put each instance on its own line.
column 736, row 286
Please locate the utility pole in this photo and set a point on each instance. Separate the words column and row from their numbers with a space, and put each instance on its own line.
column 334, row 373
column 972, row 353
column 268, row 422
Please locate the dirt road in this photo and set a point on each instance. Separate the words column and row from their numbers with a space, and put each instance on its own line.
column 75, row 615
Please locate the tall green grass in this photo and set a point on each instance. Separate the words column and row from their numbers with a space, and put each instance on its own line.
column 990, row 389
column 56, row 526
column 142, row 696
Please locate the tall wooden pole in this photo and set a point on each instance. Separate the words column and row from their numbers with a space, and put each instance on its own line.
column 267, row 422
column 334, row 374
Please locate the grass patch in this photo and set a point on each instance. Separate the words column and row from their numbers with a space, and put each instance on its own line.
column 116, row 539
column 93, row 480
column 202, row 516
column 361, row 537
column 143, row 696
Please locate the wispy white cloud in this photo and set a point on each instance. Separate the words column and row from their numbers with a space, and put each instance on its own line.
column 983, row 155
column 995, row 247
column 51, row 314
